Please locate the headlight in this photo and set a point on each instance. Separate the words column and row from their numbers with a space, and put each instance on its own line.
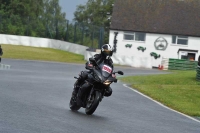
column 107, row 82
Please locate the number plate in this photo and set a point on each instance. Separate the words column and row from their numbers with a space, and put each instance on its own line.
column 107, row 69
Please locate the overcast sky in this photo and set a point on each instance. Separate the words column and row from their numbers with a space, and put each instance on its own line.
column 69, row 7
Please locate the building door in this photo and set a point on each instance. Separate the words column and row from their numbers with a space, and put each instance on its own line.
column 191, row 56
column 188, row 56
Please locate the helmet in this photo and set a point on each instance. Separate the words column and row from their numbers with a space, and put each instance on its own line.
column 106, row 51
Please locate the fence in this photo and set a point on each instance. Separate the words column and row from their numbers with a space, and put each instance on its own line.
column 88, row 35
column 198, row 73
column 177, row 64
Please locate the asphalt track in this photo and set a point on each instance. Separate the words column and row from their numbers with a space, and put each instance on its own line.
column 34, row 98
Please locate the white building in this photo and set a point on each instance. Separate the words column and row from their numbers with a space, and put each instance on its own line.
column 149, row 30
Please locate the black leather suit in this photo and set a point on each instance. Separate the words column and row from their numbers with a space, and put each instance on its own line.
column 84, row 74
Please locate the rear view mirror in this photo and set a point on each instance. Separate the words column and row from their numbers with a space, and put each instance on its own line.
column 120, row 73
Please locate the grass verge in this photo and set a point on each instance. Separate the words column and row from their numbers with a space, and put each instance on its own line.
column 179, row 90
column 43, row 54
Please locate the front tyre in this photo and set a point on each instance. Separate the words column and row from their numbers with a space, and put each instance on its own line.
column 93, row 103
column 73, row 105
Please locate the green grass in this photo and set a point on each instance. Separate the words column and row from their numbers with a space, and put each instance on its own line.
column 43, row 54
column 179, row 90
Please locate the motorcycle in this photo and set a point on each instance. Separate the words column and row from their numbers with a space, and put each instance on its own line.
column 99, row 79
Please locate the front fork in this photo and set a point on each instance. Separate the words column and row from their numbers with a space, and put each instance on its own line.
column 92, row 92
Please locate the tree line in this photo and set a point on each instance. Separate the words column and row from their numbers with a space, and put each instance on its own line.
column 44, row 18
column 96, row 12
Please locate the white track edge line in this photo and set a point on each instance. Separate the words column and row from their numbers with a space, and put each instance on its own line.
column 161, row 103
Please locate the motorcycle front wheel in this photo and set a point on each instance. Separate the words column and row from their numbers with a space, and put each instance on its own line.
column 93, row 103
column 73, row 105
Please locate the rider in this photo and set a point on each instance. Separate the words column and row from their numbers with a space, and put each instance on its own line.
column 106, row 53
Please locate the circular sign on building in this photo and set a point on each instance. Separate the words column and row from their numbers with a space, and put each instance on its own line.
column 161, row 43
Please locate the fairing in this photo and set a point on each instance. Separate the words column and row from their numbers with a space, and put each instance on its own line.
column 106, row 70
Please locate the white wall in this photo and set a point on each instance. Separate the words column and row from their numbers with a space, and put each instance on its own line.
column 124, row 56
column 42, row 42
column 71, row 47
column 170, row 52
column 133, row 61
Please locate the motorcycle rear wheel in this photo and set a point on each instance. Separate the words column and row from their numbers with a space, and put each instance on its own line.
column 93, row 104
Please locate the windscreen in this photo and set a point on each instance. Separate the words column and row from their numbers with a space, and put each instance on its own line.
column 106, row 70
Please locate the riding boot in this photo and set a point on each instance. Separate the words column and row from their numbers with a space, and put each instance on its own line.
column 78, row 83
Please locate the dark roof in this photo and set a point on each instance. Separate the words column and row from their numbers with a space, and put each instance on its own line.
column 179, row 17
column 188, row 50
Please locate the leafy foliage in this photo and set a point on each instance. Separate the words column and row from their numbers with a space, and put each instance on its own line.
column 96, row 12
column 43, row 18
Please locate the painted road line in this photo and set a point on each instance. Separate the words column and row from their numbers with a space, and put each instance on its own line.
column 161, row 104
column 4, row 66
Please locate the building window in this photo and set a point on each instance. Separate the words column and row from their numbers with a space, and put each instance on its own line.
column 189, row 56
column 135, row 36
column 182, row 40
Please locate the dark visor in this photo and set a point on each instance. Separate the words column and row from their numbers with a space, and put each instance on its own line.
column 108, row 52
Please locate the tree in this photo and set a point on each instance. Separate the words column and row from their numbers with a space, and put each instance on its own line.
column 54, row 19
column 31, row 17
column 95, row 12
column 18, row 14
